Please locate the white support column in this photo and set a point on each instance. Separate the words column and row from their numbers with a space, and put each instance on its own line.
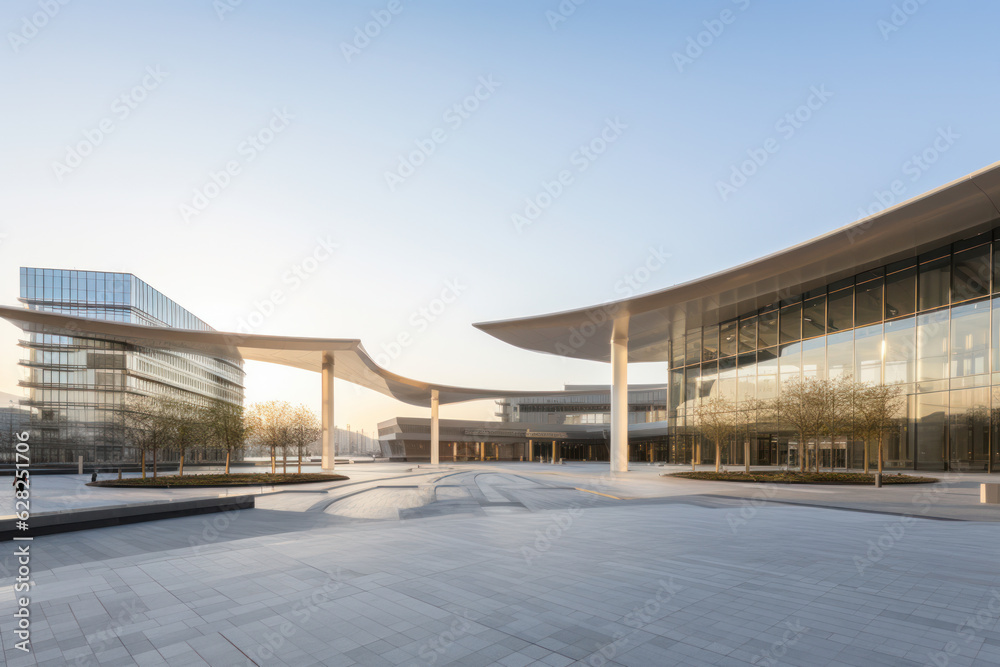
column 329, row 432
column 619, row 397
column 435, row 429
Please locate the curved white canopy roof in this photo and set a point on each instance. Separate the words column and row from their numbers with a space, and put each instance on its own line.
column 351, row 362
column 963, row 208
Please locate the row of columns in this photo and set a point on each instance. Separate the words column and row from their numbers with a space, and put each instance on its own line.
column 619, row 409
column 619, row 396
column 326, row 412
column 481, row 450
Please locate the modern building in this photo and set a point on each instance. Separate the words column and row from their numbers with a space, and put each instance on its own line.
column 77, row 385
column 13, row 420
column 910, row 295
column 333, row 358
column 585, row 404
column 572, row 424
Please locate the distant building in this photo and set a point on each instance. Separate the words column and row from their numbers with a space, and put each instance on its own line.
column 909, row 296
column 77, row 386
column 646, row 404
column 13, row 420
column 573, row 423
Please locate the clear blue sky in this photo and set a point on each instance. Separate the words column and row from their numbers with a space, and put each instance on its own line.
column 554, row 85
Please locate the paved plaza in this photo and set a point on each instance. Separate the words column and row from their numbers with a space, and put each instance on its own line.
column 518, row 564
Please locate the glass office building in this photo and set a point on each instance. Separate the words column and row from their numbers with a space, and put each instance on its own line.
column 909, row 295
column 77, row 386
column 647, row 404
column 573, row 423
column 930, row 324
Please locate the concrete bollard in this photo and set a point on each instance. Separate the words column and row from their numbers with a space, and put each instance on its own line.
column 989, row 494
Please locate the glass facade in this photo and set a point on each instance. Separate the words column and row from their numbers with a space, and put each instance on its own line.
column 646, row 405
column 77, row 387
column 930, row 324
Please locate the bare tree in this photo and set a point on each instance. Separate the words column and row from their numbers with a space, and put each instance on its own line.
column 148, row 425
column 717, row 419
column 271, row 422
column 838, row 399
column 185, row 426
column 878, row 408
column 137, row 423
column 750, row 413
column 305, row 429
column 800, row 407
column 228, row 427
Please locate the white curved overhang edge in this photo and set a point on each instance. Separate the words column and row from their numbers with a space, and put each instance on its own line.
column 351, row 362
column 960, row 209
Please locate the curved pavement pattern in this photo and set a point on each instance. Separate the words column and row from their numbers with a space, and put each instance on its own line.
column 526, row 564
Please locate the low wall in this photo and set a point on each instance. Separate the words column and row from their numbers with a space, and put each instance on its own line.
column 48, row 523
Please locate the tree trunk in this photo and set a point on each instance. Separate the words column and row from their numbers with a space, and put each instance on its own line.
column 300, row 461
column 746, row 454
column 143, row 464
column 180, row 471
column 273, row 464
column 718, row 455
column 880, row 453
column 284, row 461
column 227, row 461
column 154, row 464
column 865, row 446
column 803, row 455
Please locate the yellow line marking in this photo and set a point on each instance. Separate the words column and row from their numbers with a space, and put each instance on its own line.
column 597, row 493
